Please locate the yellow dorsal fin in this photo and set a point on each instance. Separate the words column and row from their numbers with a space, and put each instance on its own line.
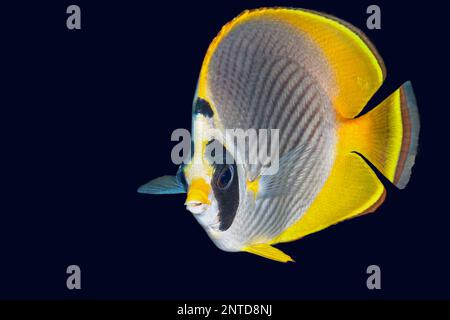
column 351, row 190
column 357, row 71
column 269, row 252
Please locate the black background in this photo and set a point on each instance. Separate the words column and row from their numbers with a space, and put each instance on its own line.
column 86, row 118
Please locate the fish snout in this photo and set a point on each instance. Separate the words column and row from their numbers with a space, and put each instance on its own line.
column 197, row 200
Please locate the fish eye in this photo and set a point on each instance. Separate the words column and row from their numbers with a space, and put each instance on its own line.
column 225, row 177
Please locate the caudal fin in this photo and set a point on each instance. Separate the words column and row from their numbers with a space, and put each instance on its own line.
column 388, row 135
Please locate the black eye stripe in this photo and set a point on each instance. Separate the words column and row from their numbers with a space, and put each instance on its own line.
column 225, row 185
column 227, row 198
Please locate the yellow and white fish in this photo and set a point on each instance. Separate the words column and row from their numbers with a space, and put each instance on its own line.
column 309, row 75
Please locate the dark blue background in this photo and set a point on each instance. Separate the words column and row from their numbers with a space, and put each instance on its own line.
column 86, row 117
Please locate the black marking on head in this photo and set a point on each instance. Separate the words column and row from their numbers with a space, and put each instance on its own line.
column 225, row 185
column 203, row 107
column 227, row 198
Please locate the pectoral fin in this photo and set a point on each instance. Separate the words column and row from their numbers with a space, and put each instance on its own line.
column 269, row 252
column 163, row 185
column 291, row 174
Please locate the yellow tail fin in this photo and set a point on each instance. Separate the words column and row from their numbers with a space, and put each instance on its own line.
column 387, row 136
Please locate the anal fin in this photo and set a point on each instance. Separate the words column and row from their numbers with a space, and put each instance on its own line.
column 351, row 190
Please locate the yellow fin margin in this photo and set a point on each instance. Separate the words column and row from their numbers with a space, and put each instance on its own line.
column 387, row 136
column 358, row 70
column 351, row 190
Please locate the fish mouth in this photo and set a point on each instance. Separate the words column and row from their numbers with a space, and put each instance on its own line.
column 196, row 207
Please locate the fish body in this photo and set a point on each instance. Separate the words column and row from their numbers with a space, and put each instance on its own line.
column 308, row 76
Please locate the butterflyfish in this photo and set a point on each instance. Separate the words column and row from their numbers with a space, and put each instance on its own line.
column 308, row 75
